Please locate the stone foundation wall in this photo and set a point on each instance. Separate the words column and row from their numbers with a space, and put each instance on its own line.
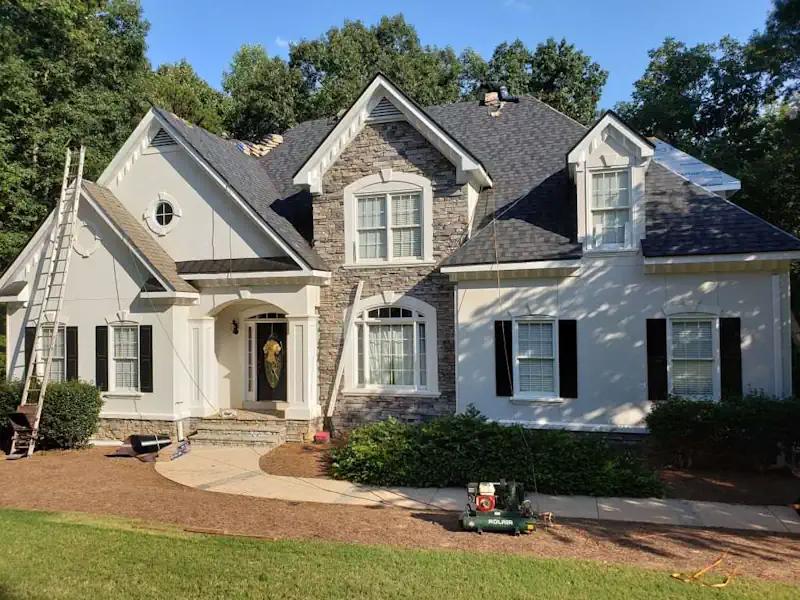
column 302, row 431
column 398, row 146
column 119, row 429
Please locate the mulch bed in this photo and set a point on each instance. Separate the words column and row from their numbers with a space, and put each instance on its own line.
column 86, row 481
column 311, row 460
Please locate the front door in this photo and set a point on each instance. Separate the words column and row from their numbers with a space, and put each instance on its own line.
column 270, row 354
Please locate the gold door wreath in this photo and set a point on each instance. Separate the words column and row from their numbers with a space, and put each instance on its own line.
column 273, row 365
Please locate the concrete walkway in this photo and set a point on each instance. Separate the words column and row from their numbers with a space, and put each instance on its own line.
column 236, row 471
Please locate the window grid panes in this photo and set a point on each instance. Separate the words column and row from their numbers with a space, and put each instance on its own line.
column 382, row 238
column 692, row 358
column 57, row 366
column 164, row 213
column 406, row 225
column 535, row 357
column 372, row 227
column 250, row 358
column 611, row 212
column 126, row 358
column 391, row 348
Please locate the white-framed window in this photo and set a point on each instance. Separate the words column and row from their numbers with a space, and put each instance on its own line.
column 388, row 219
column 611, row 209
column 58, row 371
column 124, row 353
column 693, row 345
column 394, row 347
column 162, row 214
column 535, row 347
column 398, row 237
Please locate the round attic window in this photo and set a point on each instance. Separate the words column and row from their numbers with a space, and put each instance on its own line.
column 162, row 214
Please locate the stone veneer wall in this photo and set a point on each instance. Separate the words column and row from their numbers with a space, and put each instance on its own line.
column 119, row 429
column 395, row 145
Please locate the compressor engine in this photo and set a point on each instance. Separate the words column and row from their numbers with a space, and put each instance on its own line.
column 498, row 506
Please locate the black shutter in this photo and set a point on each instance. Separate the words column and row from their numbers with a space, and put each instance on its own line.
column 30, row 336
column 503, row 363
column 146, row 358
column 101, row 357
column 568, row 358
column 730, row 347
column 657, row 388
column 72, row 353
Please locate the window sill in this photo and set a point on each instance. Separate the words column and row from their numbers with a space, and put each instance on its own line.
column 390, row 264
column 390, row 392
column 523, row 400
column 122, row 395
column 610, row 251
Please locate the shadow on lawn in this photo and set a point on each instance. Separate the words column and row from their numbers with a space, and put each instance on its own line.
column 670, row 542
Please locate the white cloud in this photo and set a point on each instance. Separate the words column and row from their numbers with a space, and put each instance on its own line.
column 281, row 43
column 517, row 5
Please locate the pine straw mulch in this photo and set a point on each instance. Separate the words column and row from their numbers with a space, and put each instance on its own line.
column 86, row 481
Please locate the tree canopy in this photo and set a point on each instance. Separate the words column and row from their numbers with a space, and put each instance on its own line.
column 70, row 71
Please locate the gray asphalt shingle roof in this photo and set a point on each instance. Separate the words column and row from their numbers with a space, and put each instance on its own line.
column 249, row 178
column 524, row 151
column 685, row 219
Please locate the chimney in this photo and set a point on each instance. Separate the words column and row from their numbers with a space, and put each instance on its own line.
column 261, row 147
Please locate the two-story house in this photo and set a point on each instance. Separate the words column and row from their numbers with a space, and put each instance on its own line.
column 426, row 259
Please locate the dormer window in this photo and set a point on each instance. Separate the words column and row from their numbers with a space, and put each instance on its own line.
column 388, row 220
column 611, row 209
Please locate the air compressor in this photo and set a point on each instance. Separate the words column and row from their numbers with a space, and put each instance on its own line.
column 498, row 506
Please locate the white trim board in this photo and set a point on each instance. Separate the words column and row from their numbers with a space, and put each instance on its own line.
column 592, row 427
column 311, row 173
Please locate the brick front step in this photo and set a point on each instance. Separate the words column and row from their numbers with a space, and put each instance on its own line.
column 240, row 441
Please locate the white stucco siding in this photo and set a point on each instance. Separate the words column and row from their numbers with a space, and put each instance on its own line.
column 99, row 287
column 211, row 225
column 611, row 299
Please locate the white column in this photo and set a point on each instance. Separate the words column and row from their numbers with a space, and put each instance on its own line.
column 302, row 368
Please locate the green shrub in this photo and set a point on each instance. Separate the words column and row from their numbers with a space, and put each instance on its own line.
column 453, row 451
column 740, row 433
column 69, row 415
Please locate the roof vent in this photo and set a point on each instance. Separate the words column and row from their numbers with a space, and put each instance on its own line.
column 385, row 111
column 262, row 147
column 162, row 139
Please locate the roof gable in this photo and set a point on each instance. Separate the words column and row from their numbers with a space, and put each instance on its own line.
column 610, row 125
column 373, row 99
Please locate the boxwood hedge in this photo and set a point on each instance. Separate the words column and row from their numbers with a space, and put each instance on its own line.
column 69, row 415
column 453, row 451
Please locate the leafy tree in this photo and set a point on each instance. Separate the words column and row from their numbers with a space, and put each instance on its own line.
column 70, row 71
column 336, row 67
column 263, row 94
column 556, row 73
column 778, row 47
column 177, row 88
column 567, row 79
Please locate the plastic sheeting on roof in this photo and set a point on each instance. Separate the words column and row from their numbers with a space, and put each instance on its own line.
column 694, row 170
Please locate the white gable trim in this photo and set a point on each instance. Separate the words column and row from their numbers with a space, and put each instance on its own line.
column 580, row 153
column 137, row 143
column 311, row 173
column 29, row 253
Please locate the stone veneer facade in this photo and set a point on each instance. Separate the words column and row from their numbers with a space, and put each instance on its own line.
column 395, row 145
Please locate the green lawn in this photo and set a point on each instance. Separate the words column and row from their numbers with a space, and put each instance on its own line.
column 56, row 556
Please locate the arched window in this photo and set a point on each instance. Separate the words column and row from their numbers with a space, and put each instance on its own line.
column 388, row 219
column 394, row 346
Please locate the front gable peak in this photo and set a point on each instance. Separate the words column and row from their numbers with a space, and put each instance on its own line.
column 380, row 102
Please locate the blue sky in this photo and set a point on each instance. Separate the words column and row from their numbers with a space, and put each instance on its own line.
column 615, row 33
